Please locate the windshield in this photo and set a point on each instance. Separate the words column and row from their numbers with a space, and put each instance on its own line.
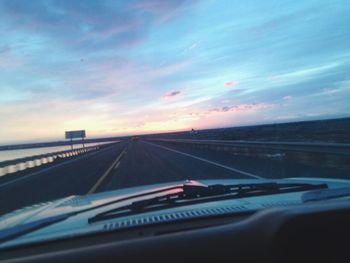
column 97, row 96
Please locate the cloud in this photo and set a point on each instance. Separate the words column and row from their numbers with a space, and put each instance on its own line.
column 173, row 67
column 8, row 59
column 243, row 107
column 277, row 22
column 119, row 79
column 272, row 77
column 163, row 10
column 341, row 89
column 231, row 83
column 158, row 6
column 104, row 64
column 89, row 24
column 171, row 94
column 194, row 45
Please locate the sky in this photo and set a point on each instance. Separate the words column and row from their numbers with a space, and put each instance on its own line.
column 132, row 67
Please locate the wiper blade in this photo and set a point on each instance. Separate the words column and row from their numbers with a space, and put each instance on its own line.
column 185, row 194
column 239, row 190
column 192, row 194
column 22, row 229
column 16, row 231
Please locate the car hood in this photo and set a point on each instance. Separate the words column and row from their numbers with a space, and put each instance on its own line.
column 74, row 204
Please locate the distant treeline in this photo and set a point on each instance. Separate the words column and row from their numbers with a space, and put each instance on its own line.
column 57, row 143
column 333, row 131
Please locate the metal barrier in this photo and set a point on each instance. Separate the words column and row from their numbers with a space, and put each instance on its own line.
column 321, row 154
column 20, row 164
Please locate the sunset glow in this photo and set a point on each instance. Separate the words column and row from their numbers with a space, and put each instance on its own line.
column 132, row 67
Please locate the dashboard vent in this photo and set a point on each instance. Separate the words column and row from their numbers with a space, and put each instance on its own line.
column 174, row 216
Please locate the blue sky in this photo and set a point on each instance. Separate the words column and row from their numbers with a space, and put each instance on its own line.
column 130, row 67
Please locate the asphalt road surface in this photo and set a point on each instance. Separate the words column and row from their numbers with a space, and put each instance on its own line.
column 139, row 162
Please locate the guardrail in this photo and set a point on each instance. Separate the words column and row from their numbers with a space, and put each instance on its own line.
column 20, row 164
column 321, row 154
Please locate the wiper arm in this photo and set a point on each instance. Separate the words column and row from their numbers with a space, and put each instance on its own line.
column 192, row 194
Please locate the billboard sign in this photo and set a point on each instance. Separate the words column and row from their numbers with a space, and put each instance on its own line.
column 75, row 134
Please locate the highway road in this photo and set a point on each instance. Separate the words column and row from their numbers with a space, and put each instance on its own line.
column 138, row 162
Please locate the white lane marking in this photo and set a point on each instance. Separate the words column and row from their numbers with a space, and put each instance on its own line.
column 207, row 161
column 100, row 180
column 116, row 166
column 52, row 167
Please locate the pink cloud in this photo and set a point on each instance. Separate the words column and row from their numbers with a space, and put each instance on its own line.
column 287, row 97
column 231, row 83
column 171, row 94
column 272, row 77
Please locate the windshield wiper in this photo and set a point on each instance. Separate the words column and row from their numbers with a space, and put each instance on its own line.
column 22, row 229
column 184, row 194
column 192, row 194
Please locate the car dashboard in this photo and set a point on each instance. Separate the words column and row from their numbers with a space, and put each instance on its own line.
column 314, row 231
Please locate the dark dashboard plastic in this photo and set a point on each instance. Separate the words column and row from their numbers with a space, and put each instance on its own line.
column 313, row 232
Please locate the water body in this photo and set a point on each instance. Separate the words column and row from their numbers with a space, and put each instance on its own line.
column 15, row 154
